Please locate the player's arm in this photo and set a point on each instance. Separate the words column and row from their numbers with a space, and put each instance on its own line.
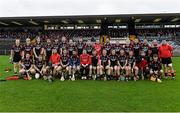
column 125, row 64
column 35, row 67
column 34, row 52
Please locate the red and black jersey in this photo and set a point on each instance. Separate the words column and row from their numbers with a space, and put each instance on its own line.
column 107, row 47
column 104, row 60
column 145, row 48
column 155, row 66
column 117, row 48
column 89, row 49
column 131, row 61
column 71, row 48
column 38, row 49
column 94, row 60
column 80, row 47
column 85, row 59
column 136, row 49
column 65, row 59
column 63, row 45
column 127, row 49
column 39, row 64
column 155, row 50
column 27, row 63
column 48, row 48
column 122, row 60
column 113, row 59
column 28, row 49
column 17, row 50
column 56, row 46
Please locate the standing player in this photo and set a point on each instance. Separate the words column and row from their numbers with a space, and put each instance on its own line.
column 154, row 47
column 26, row 67
column 132, row 68
column 89, row 47
column 56, row 46
column 108, row 46
column 48, row 51
column 80, row 46
column 28, row 48
column 98, row 47
column 64, row 65
column 113, row 64
column 165, row 53
column 122, row 68
column 85, row 61
column 16, row 55
column 74, row 65
column 127, row 48
column 71, row 47
column 145, row 46
column 136, row 48
column 38, row 49
column 63, row 44
column 104, row 65
column 117, row 48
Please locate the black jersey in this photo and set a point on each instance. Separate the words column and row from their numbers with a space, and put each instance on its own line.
column 63, row 45
column 65, row 59
column 154, row 50
column 155, row 66
column 17, row 50
column 145, row 48
column 27, row 63
column 39, row 64
column 80, row 47
column 127, row 49
column 56, row 46
column 48, row 48
column 131, row 61
column 38, row 49
column 122, row 60
column 89, row 49
column 136, row 49
column 28, row 49
column 107, row 47
column 113, row 59
column 71, row 48
column 94, row 60
column 117, row 49
column 104, row 60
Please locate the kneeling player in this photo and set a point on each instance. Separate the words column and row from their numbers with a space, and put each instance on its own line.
column 74, row 65
column 122, row 65
column 132, row 68
column 40, row 67
column 113, row 64
column 85, row 61
column 155, row 69
column 64, row 65
column 104, row 65
column 26, row 67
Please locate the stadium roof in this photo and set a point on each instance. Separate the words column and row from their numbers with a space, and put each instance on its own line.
column 90, row 19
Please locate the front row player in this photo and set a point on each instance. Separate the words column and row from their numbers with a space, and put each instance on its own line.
column 74, row 63
column 155, row 69
column 26, row 67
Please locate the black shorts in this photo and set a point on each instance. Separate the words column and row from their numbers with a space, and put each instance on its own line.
column 166, row 60
column 16, row 59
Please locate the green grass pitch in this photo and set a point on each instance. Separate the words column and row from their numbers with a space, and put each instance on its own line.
column 88, row 96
